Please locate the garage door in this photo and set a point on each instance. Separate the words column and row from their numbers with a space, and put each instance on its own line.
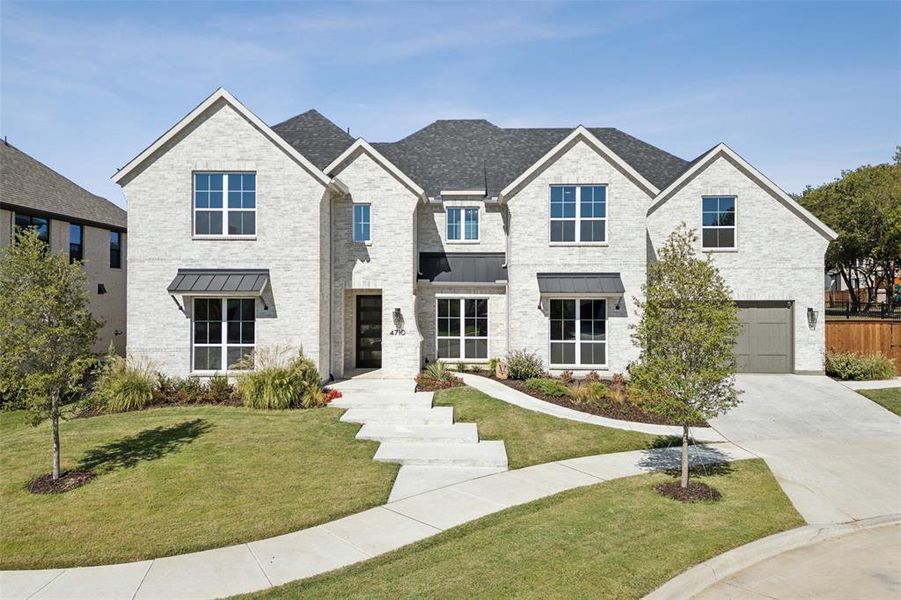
column 765, row 342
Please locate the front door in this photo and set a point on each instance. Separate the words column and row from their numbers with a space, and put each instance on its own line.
column 369, row 332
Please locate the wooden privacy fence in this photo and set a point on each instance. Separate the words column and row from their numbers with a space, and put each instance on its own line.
column 866, row 337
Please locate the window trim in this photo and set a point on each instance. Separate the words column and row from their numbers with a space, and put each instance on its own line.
column 223, row 345
column 578, row 218
column 81, row 243
column 225, row 209
column 353, row 223
column 461, row 298
column 462, row 239
column 734, row 228
column 579, row 364
column 119, row 250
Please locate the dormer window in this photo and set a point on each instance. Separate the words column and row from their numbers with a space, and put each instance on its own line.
column 225, row 204
column 462, row 224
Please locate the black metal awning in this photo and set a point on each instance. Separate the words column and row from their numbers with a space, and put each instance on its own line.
column 580, row 283
column 462, row 267
column 216, row 282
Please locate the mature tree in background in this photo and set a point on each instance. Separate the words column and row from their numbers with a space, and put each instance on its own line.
column 46, row 330
column 864, row 207
column 687, row 332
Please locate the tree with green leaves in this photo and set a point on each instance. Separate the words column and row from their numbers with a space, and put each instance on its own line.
column 686, row 334
column 864, row 207
column 46, row 329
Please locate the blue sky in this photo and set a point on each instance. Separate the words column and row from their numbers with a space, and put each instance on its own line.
column 801, row 90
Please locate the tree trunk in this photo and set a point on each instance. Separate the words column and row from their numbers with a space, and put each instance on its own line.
column 684, row 483
column 54, row 422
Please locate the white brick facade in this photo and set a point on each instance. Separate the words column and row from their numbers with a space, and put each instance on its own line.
column 304, row 238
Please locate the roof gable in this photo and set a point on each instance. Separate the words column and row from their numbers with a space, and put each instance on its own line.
column 315, row 137
column 361, row 146
column 27, row 183
column 698, row 165
column 220, row 95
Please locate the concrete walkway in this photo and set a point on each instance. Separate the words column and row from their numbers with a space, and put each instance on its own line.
column 274, row 561
column 834, row 452
column 509, row 395
column 873, row 385
column 852, row 560
column 431, row 448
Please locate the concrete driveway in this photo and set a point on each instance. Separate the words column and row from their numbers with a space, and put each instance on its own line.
column 836, row 454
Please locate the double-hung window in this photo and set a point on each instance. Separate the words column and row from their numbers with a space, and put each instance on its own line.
column 115, row 250
column 578, row 213
column 224, row 332
column 76, row 242
column 362, row 223
column 463, row 224
column 225, row 204
column 462, row 328
column 718, row 222
column 578, row 332
column 24, row 221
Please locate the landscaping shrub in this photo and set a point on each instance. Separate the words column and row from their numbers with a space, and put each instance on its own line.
column 858, row 367
column 592, row 376
column 123, row 384
column 590, row 393
column 280, row 380
column 524, row 365
column 436, row 376
column 547, row 386
column 492, row 366
column 566, row 377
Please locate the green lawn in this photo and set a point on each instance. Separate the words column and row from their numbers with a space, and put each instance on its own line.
column 888, row 398
column 175, row 480
column 533, row 438
column 618, row 539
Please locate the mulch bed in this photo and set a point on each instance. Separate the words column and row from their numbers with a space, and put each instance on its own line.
column 623, row 411
column 45, row 484
column 426, row 384
column 695, row 492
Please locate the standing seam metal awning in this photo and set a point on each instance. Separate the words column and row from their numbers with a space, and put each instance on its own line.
column 215, row 282
column 580, row 283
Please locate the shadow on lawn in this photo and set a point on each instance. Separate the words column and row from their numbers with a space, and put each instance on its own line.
column 149, row 444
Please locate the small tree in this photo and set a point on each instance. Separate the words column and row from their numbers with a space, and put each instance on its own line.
column 689, row 324
column 46, row 330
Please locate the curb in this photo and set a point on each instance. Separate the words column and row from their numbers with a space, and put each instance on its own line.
column 702, row 576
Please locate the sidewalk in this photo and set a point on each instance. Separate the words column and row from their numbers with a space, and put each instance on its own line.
column 258, row 565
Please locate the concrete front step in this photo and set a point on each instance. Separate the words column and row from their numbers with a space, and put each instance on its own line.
column 459, row 433
column 483, row 454
column 416, row 479
column 376, row 386
column 400, row 400
column 441, row 415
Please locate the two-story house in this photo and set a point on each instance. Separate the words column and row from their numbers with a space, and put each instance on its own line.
column 458, row 243
column 73, row 221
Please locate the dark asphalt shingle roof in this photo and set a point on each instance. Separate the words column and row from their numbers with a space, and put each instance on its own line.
column 472, row 154
column 315, row 137
column 30, row 184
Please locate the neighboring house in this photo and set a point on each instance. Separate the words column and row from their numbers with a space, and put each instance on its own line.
column 74, row 221
column 460, row 242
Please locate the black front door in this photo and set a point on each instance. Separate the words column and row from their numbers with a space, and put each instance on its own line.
column 369, row 331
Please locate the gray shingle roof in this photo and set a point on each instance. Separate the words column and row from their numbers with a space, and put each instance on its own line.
column 472, row 154
column 29, row 184
column 315, row 137
column 208, row 281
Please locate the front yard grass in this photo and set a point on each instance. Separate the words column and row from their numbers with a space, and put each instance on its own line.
column 533, row 438
column 888, row 398
column 618, row 539
column 175, row 480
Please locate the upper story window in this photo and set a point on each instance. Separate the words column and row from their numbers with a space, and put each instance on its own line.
column 362, row 223
column 24, row 221
column 579, row 214
column 76, row 242
column 115, row 250
column 718, row 222
column 463, row 224
column 225, row 204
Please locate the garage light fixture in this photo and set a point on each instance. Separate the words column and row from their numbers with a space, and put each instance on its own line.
column 811, row 318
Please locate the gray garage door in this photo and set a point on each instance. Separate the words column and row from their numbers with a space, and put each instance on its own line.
column 765, row 342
